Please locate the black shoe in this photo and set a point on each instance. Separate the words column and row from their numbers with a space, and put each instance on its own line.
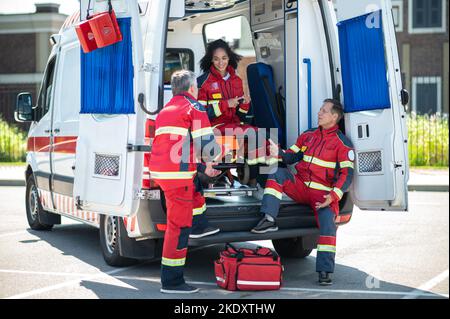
column 180, row 289
column 325, row 278
column 199, row 233
column 264, row 226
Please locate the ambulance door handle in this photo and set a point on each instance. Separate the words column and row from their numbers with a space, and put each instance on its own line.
column 56, row 130
column 307, row 61
column 141, row 99
column 47, row 131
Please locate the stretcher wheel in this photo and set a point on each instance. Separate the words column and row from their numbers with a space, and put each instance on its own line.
column 243, row 174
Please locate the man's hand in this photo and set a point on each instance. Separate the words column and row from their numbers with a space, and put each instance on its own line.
column 211, row 172
column 273, row 148
column 247, row 99
column 327, row 202
column 233, row 103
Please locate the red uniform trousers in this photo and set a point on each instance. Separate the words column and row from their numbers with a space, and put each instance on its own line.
column 284, row 181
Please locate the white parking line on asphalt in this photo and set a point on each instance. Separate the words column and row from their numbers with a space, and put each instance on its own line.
column 45, row 273
column 428, row 285
column 71, row 282
column 88, row 277
column 329, row 291
column 13, row 233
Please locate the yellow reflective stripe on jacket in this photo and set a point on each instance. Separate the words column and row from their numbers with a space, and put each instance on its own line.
column 199, row 211
column 243, row 111
column 327, row 248
column 258, row 160
column 318, row 162
column 216, row 108
column 202, row 132
column 173, row 262
column 171, row 130
column 295, row 148
column 172, row 175
column 318, row 186
column 346, row 164
column 338, row 192
column 273, row 160
column 273, row 192
column 204, row 103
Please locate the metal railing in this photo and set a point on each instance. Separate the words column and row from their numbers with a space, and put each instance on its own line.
column 428, row 140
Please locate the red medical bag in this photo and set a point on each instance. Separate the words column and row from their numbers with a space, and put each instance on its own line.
column 99, row 30
column 248, row 269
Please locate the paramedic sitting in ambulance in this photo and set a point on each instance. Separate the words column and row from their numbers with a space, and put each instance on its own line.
column 173, row 165
column 324, row 172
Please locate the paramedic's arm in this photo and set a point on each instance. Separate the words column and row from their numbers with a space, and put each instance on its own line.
column 203, row 136
column 214, row 108
column 345, row 158
column 293, row 154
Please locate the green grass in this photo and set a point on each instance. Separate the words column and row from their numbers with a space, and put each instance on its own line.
column 428, row 140
column 13, row 143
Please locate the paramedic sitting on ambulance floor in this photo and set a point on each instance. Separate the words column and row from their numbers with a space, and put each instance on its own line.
column 324, row 172
column 173, row 165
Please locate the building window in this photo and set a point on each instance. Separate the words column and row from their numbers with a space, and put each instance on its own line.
column 426, row 95
column 177, row 59
column 427, row 16
column 397, row 14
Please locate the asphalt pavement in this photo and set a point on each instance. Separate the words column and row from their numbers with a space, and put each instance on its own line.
column 392, row 255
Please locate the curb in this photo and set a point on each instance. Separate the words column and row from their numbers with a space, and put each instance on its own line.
column 428, row 188
column 12, row 182
column 411, row 188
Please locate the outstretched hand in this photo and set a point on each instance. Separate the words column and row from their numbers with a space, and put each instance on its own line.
column 326, row 203
column 210, row 171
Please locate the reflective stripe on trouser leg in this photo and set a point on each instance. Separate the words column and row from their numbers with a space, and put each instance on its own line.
column 198, row 212
column 179, row 220
column 326, row 247
column 273, row 191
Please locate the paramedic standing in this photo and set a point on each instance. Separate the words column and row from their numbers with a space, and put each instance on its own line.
column 324, row 172
column 183, row 135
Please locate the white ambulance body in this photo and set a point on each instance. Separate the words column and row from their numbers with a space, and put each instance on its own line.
column 91, row 167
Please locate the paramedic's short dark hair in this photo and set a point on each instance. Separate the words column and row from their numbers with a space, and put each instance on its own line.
column 337, row 108
column 206, row 61
column 182, row 80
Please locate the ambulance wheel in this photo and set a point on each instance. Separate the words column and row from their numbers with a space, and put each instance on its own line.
column 291, row 247
column 34, row 207
column 109, row 242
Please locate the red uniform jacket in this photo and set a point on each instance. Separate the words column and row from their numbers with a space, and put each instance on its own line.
column 325, row 160
column 214, row 93
column 182, row 130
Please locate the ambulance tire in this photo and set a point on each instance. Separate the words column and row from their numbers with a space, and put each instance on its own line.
column 34, row 207
column 291, row 247
column 109, row 242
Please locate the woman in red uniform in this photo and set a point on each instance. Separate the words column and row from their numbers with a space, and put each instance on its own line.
column 222, row 93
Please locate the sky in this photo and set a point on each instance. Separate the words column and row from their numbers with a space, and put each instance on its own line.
column 27, row 6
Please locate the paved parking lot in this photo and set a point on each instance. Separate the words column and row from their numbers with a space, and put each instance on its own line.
column 380, row 255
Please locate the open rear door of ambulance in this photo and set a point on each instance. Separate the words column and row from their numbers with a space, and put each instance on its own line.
column 375, row 117
column 110, row 145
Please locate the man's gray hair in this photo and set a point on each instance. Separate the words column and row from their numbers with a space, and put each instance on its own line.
column 182, row 80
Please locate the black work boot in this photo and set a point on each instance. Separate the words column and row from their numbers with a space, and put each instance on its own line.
column 325, row 278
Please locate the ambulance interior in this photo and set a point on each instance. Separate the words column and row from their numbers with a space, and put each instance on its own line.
column 276, row 60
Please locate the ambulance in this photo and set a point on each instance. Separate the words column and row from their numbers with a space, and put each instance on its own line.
column 92, row 125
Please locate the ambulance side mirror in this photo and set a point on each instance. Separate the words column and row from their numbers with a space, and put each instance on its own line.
column 24, row 108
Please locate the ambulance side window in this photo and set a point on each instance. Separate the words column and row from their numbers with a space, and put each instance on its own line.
column 45, row 93
column 177, row 59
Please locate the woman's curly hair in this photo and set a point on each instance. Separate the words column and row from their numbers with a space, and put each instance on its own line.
column 206, row 61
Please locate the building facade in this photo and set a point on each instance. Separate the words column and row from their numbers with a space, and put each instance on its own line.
column 25, row 47
column 422, row 37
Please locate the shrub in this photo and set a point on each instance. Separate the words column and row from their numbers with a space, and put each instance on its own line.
column 428, row 140
column 13, row 143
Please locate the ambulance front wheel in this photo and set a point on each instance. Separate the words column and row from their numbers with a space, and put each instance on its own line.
column 291, row 247
column 109, row 242
column 34, row 208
